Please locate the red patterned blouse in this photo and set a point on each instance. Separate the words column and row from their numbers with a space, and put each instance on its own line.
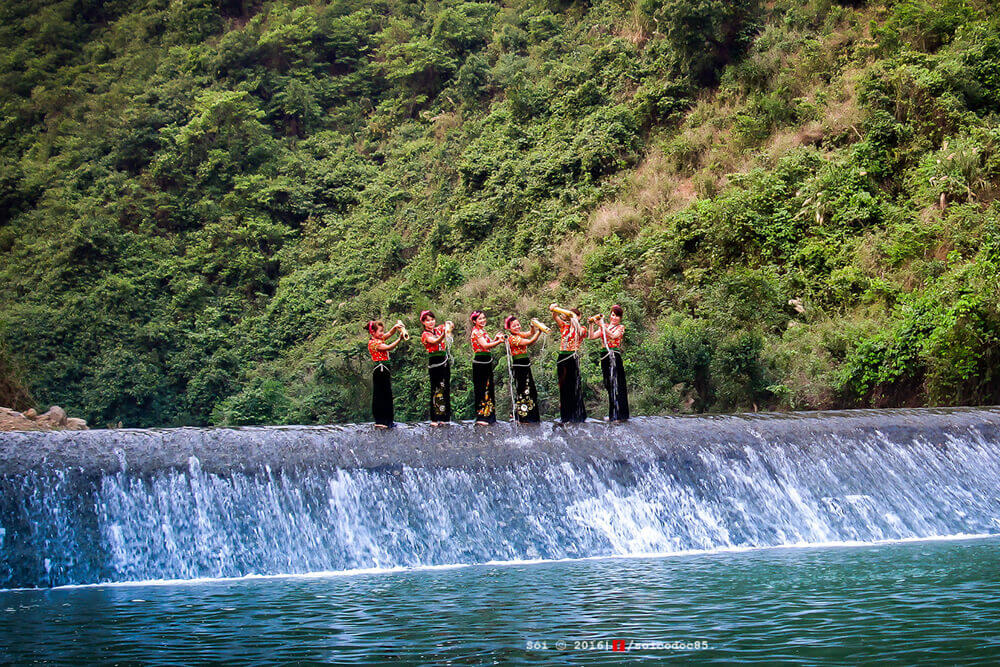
column 377, row 354
column 515, row 347
column 615, row 333
column 435, row 332
column 571, row 335
column 479, row 338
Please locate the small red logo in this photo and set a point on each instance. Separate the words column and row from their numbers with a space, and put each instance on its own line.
column 617, row 644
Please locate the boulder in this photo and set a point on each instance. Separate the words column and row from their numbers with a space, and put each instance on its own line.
column 54, row 418
column 12, row 420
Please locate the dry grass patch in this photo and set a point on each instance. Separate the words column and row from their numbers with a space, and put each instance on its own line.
column 616, row 217
column 568, row 255
column 868, row 255
column 684, row 192
column 636, row 28
column 477, row 289
column 445, row 122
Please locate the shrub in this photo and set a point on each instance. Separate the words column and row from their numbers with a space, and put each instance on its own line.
column 963, row 169
column 678, row 362
column 745, row 299
column 14, row 391
column 264, row 401
column 708, row 34
column 962, row 352
column 739, row 374
column 924, row 24
column 944, row 343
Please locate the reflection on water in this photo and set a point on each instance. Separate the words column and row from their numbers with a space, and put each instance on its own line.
column 932, row 602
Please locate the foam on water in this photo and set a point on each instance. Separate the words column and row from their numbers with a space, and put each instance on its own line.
column 499, row 563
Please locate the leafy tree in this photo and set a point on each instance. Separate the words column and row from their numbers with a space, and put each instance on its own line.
column 707, row 34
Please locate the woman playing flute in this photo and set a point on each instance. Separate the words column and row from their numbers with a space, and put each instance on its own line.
column 434, row 339
column 612, row 334
column 379, row 348
column 482, row 369
column 525, row 394
column 571, row 333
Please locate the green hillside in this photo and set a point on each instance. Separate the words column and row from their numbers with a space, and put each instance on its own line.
column 202, row 202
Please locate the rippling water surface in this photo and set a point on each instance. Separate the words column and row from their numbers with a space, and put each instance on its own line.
column 929, row 601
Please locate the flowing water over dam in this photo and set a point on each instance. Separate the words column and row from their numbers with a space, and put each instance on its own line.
column 135, row 505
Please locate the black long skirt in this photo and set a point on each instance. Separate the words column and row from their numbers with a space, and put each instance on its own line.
column 439, row 370
column 382, row 395
column 614, row 383
column 525, row 394
column 571, row 407
column 484, row 403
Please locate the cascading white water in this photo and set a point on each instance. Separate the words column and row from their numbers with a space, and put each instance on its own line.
column 187, row 503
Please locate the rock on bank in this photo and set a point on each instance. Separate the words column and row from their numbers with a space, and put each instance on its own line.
column 53, row 420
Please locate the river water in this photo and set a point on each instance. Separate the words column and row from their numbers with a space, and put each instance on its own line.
column 932, row 602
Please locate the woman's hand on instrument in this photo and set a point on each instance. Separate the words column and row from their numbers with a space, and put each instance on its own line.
column 558, row 311
column 538, row 325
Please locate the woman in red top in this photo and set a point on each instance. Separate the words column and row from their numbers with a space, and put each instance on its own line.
column 611, row 335
column 482, row 369
column 571, row 335
column 435, row 340
column 525, row 393
column 379, row 348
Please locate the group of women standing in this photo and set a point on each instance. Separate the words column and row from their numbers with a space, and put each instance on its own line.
column 437, row 338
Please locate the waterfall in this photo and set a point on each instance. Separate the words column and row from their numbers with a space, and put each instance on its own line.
column 129, row 505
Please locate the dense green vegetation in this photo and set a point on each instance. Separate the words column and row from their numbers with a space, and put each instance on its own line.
column 204, row 200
